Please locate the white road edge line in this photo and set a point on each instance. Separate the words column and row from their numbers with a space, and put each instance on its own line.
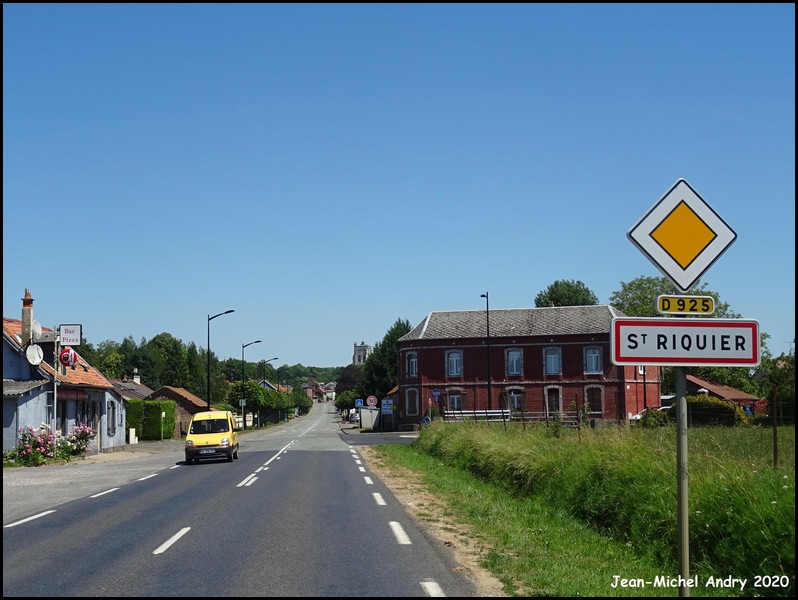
column 44, row 514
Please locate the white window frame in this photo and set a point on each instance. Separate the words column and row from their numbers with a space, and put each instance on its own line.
column 412, row 364
column 553, row 352
column 456, row 401
column 515, row 361
column 594, row 353
column 513, row 396
column 454, row 363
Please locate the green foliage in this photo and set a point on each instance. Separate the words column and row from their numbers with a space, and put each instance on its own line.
column 302, row 402
column 380, row 371
column 348, row 378
column 621, row 482
column 657, row 418
column 249, row 391
column 566, row 293
column 638, row 298
column 707, row 410
column 345, row 400
column 153, row 426
column 134, row 416
column 40, row 446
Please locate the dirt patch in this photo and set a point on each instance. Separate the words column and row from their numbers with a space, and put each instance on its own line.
column 427, row 510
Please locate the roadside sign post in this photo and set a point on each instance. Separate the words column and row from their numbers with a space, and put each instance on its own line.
column 683, row 236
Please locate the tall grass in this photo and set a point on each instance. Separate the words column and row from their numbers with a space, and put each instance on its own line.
column 621, row 482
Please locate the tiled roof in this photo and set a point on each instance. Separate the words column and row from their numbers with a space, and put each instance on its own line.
column 721, row 391
column 128, row 388
column 82, row 373
column 170, row 392
column 559, row 320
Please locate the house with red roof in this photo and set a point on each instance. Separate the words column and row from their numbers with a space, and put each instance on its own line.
column 38, row 388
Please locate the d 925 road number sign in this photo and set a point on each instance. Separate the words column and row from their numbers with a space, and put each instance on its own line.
column 685, row 305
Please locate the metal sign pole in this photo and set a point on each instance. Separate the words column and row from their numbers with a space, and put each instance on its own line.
column 681, row 480
column 56, row 338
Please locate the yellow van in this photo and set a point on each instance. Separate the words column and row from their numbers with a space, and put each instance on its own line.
column 212, row 434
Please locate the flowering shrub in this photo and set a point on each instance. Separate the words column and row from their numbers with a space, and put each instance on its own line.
column 81, row 437
column 38, row 446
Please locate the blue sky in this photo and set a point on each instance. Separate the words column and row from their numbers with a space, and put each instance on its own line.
column 325, row 170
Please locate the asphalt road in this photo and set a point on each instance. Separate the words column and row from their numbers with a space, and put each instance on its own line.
column 29, row 490
column 298, row 514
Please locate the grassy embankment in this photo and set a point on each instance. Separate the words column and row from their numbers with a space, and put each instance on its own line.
column 563, row 515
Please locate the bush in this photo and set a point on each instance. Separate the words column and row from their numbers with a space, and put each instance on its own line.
column 39, row 446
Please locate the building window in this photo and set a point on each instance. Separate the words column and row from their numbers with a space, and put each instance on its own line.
column 411, row 403
column 593, row 401
column 111, row 419
column 412, row 364
column 514, row 362
column 553, row 400
column 593, row 359
column 515, row 399
column 456, row 401
column 641, row 369
column 551, row 357
column 454, row 363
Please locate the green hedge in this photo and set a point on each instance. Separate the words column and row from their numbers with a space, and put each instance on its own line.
column 145, row 417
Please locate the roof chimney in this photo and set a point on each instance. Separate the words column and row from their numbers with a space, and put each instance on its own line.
column 27, row 317
column 136, row 377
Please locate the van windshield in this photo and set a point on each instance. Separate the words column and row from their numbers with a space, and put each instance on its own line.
column 210, row 426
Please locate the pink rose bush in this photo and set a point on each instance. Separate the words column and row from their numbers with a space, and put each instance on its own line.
column 39, row 446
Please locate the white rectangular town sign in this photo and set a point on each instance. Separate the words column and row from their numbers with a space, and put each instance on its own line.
column 685, row 342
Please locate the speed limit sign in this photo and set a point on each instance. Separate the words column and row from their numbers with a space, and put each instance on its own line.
column 371, row 400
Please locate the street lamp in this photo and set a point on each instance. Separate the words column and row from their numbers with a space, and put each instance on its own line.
column 278, row 377
column 244, row 412
column 487, row 318
column 211, row 318
column 242, row 356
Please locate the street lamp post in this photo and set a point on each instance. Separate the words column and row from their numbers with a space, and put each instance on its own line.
column 243, row 411
column 278, row 378
column 211, row 318
column 487, row 318
column 266, row 362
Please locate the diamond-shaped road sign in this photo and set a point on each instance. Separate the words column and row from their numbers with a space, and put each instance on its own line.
column 682, row 235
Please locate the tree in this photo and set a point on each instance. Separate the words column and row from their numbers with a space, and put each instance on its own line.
column 348, row 378
column 638, row 298
column 171, row 359
column 197, row 370
column 251, row 392
column 566, row 293
column 381, row 369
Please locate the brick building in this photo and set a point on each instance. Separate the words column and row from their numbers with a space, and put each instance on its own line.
column 542, row 361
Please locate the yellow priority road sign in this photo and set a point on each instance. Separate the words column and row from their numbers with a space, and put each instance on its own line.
column 682, row 235
column 685, row 305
